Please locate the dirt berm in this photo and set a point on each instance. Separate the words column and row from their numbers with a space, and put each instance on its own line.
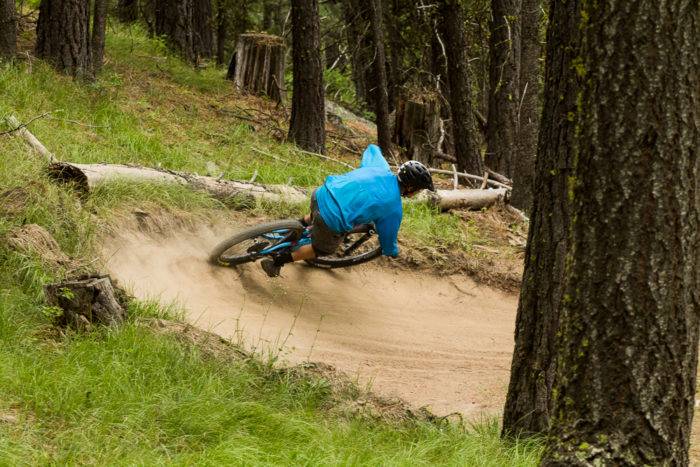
column 441, row 342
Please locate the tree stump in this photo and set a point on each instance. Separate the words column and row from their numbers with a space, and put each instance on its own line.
column 417, row 125
column 85, row 302
column 259, row 65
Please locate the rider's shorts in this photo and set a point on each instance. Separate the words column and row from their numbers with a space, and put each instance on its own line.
column 323, row 239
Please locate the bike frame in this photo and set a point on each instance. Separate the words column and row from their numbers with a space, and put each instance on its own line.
column 280, row 234
column 305, row 239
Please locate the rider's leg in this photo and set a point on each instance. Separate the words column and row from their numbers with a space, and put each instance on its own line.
column 305, row 252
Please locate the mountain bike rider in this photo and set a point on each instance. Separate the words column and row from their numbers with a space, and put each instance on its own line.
column 369, row 194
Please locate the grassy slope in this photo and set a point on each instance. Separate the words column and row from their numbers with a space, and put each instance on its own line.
column 130, row 396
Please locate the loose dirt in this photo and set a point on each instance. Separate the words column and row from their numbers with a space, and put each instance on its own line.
column 441, row 342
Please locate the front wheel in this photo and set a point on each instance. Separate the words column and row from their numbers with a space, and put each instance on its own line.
column 250, row 244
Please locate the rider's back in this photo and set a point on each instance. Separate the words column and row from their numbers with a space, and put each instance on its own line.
column 369, row 194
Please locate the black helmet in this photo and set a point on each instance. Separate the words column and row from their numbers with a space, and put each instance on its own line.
column 415, row 176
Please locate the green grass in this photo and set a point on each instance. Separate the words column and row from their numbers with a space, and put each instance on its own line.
column 130, row 396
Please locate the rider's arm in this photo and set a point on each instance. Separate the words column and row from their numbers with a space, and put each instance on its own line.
column 388, row 230
column 372, row 157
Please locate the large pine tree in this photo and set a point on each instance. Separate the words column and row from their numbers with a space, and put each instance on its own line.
column 629, row 327
column 307, row 125
column 528, row 404
column 504, row 92
column 528, row 115
column 451, row 27
column 63, row 36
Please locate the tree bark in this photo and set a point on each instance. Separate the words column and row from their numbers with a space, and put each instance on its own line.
column 8, row 29
column 528, row 403
column 528, row 113
column 307, row 125
column 85, row 302
column 202, row 29
column 629, row 327
column 173, row 19
column 128, row 10
column 222, row 25
column 259, row 65
column 417, row 125
column 358, row 32
column 381, row 95
column 504, row 94
column 451, row 24
column 63, row 36
column 98, row 35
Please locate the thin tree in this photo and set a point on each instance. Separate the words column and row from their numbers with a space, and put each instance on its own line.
column 99, row 21
column 356, row 14
column 629, row 346
column 528, row 116
column 8, row 29
column 202, row 29
column 222, row 27
column 528, row 403
column 63, row 36
column 307, row 125
column 381, row 86
column 451, row 26
column 504, row 93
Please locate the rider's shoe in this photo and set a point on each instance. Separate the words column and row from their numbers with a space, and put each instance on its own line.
column 270, row 267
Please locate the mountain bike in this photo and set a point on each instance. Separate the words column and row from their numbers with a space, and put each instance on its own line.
column 358, row 246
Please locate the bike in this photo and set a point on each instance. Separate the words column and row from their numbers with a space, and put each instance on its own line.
column 358, row 246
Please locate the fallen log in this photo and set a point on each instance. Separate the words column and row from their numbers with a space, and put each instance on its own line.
column 468, row 199
column 85, row 302
column 89, row 176
column 29, row 138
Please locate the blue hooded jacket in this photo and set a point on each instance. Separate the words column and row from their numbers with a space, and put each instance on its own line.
column 366, row 195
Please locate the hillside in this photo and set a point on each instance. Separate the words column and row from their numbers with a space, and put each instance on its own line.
column 155, row 391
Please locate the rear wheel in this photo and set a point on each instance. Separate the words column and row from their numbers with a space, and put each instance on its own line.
column 357, row 248
column 245, row 246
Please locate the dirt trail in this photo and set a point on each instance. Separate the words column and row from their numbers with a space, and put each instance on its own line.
column 441, row 342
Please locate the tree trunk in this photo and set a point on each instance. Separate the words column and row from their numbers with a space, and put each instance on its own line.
column 221, row 32
column 381, row 96
column 202, row 29
column 358, row 32
column 8, row 29
column 528, row 120
column 629, row 327
column 504, row 95
column 528, row 404
column 451, row 24
column 259, row 65
column 128, row 10
column 173, row 19
column 85, row 302
column 63, row 36
column 98, row 34
column 417, row 125
column 307, row 125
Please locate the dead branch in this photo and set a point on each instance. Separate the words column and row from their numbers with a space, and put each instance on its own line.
column 29, row 137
